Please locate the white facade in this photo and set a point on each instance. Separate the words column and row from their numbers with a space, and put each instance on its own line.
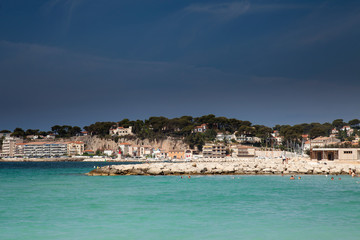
column 121, row 131
column 108, row 152
column 75, row 148
column 323, row 141
column 45, row 149
column 9, row 146
column 225, row 137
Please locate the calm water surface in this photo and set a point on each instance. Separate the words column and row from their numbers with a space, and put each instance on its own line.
column 56, row 201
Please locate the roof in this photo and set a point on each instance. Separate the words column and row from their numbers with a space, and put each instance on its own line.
column 76, row 142
column 21, row 143
column 334, row 149
column 44, row 143
column 321, row 138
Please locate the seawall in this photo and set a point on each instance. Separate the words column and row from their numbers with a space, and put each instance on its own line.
column 241, row 167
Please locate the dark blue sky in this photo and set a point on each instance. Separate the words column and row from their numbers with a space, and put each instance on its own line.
column 270, row 62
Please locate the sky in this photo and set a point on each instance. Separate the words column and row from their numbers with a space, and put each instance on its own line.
column 76, row 62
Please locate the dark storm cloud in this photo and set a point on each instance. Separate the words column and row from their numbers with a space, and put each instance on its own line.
column 76, row 62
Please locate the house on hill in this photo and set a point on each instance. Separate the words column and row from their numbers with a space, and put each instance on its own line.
column 121, row 131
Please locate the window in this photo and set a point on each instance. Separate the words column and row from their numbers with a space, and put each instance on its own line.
column 347, row 152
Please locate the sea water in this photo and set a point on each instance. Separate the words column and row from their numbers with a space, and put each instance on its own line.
column 57, row 201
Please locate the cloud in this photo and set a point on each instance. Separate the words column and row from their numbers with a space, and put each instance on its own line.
column 225, row 11
column 67, row 6
column 232, row 10
column 331, row 28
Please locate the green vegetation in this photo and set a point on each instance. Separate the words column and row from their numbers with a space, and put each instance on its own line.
column 65, row 131
column 158, row 128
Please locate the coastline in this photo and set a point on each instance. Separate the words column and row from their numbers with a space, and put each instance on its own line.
column 240, row 167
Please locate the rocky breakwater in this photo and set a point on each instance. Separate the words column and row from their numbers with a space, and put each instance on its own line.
column 241, row 167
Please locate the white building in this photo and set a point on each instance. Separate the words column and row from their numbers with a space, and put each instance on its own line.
column 121, row 131
column 125, row 148
column 75, row 148
column 108, row 152
column 5, row 135
column 243, row 138
column 45, row 149
column 323, row 141
column 350, row 154
column 201, row 129
column 9, row 146
column 225, row 137
column 242, row 151
column 214, row 151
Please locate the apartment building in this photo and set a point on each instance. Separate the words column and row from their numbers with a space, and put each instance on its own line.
column 176, row 154
column 242, row 151
column 45, row 149
column 75, row 148
column 9, row 146
column 214, row 151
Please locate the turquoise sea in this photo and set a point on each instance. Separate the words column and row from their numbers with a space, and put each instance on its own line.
column 57, row 201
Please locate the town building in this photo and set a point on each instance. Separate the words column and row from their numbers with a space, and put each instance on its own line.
column 146, row 150
column 108, row 152
column 225, row 137
column 160, row 154
column 125, row 148
column 350, row 154
column 84, row 133
column 134, row 150
column 45, row 149
column 121, row 131
column 176, row 154
column 214, row 151
column 275, row 133
column 5, row 135
column 75, row 148
column 324, row 141
column 89, row 151
column 201, row 129
column 189, row 154
column 244, row 138
column 242, row 151
column 9, row 146
column 50, row 136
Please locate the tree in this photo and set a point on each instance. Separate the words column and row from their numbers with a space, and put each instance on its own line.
column 317, row 132
column 32, row 132
column 354, row 123
column 74, row 131
column 5, row 131
column 210, row 135
column 55, row 129
column 338, row 123
column 18, row 132
column 100, row 128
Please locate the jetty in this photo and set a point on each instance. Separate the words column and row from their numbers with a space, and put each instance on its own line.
column 234, row 167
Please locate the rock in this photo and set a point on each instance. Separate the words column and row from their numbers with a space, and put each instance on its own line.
column 155, row 171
